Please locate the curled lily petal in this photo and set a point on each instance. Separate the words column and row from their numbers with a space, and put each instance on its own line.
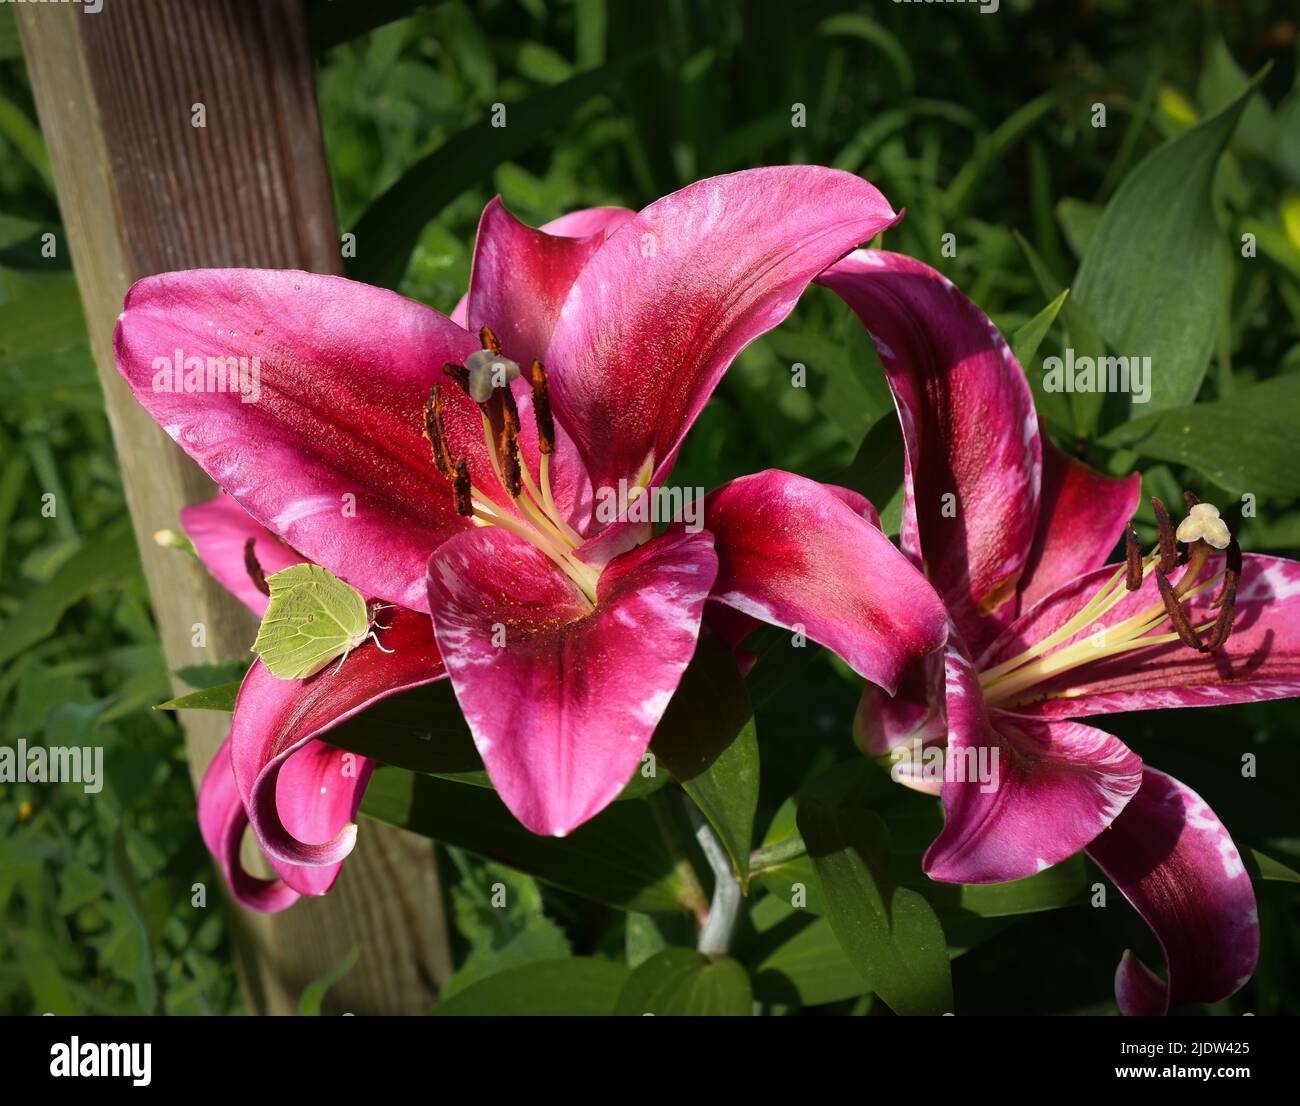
column 521, row 275
column 796, row 553
column 576, row 224
column 221, row 530
column 1178, row 866
column 274, row 719
column 1020, row 794
column 974, row 459
column 562, row 697
column 222, row 821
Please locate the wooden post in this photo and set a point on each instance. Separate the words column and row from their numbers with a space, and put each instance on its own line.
column 143, row 189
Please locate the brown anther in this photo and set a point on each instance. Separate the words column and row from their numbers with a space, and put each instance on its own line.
column 1133, row 557
column 1226, row 600
column 459, row 374
column 436, row 432
column 254, row 568
column 1178, row 617
column 542, row 408
column 1168, row 543
column 461, row 488
column 508, row 449
column 1223, row 623
column 1231, row 571
column 489, row 340
column 509, row 409
column 1190, row 500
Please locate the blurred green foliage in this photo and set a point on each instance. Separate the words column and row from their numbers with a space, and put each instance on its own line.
column 981, row 126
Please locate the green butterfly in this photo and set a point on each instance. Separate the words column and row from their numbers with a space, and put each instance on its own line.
column 313, row 617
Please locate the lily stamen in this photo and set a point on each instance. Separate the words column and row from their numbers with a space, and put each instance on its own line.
column 1168, row 544
column 1197, row 533
column 485, row 378
column 1133, row 560
column 254, row 567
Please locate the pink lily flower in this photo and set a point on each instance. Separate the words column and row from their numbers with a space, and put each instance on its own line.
column 314, row 789
column 455, row 467
column 1014, row 535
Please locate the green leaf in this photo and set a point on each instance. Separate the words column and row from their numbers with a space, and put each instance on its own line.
column 626, row 856
column 707, row 740
column 1153, row 271
column 853, row 25
column 644, row 935
column 807, row 967
column 1244, row 443
column 1081, row 408
column 104, row 562
column 681, row 982
column 1025, row 342
column 221, row 697
column 890, row 933
column 387, row 232
column 26, row 139
column 313, row 995
column 1264, row 867
column 556, row 988
column 44, row 319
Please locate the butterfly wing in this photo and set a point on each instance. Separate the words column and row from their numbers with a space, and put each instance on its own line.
column 313, row 617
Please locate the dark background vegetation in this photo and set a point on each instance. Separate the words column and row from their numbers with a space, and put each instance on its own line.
column 978, row 124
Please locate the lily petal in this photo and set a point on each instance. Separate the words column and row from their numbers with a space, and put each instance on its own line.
column 222, row 821
column 274, row 719
column 563, row 698
column 324, row 446
column 661, row 310
column 1051, row 788
column 520, row 278
column 970, row 434
column 220, row 530
column 794, row 552
column 1176, row 863
column 1261, row 659
column 1082, row 516
column 576, row 224
column 897, row 729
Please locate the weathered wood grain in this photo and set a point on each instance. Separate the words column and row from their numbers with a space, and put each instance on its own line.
column 142, row 191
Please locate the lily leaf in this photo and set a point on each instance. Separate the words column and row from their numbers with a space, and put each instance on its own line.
column 891, row 934
column 553, row 988
column 682, row 982
column 627, row 856
column 313, row 995
column 707, row 741
column 221, row 697
column 1153, row 271
column 1209, row 437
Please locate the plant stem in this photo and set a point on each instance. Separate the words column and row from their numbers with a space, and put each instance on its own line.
column 776, row 854
column 724, row 911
